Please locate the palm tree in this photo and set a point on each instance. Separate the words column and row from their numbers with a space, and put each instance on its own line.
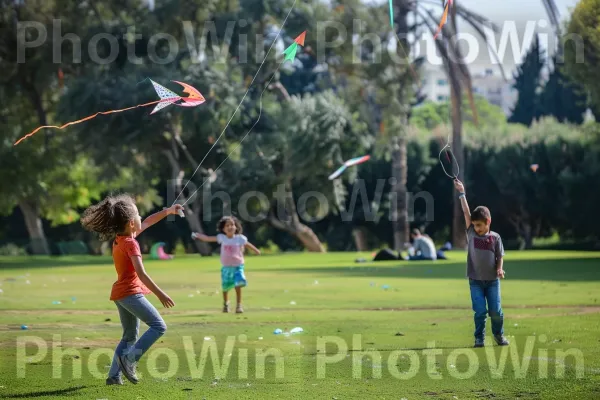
column 459, row 75
column 460, row 81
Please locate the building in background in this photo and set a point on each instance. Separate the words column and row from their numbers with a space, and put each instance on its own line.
column 486, row 84
column 435, row 84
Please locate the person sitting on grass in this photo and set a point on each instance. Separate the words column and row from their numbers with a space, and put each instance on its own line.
column 424, row 247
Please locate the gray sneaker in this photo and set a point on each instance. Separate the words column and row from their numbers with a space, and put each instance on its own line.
column 128, row 369
column 479, row 342
column 239, row 309
column 501, row 340
column 226, row 307
column 111, row 380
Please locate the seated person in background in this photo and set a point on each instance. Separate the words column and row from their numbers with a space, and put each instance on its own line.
column 423, row 245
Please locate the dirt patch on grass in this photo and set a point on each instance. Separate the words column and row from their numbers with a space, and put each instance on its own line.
column 441, row 308
column 570, row 312
column 102, row 312
column 60, row 312
column 577, row 311
column 212, row 311
column 81, row 343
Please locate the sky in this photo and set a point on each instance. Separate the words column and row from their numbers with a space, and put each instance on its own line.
column 500, row 11
column 519, row 21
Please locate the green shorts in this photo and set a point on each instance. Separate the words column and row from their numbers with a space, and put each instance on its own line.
column 232, row 277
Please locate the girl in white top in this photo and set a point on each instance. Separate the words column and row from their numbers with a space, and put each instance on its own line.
column 233, row 244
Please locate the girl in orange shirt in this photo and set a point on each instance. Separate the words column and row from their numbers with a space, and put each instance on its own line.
column 118, row 217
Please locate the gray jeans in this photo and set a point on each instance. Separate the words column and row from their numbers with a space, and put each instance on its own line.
column 132, row 309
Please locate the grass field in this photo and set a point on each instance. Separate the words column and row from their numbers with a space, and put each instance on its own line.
column 413, row 323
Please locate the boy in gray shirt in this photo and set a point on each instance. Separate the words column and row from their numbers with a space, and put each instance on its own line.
column 484, row 269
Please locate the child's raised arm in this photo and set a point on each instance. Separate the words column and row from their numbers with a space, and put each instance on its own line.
column 463, row 201
column 203, row 237
column 156, row 217
column 253, row 248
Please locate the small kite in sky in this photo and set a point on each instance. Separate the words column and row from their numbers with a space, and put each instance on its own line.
column 349, row 163
column 444, row 18
column 442, row 21
column 167, row 97
column 290, row 52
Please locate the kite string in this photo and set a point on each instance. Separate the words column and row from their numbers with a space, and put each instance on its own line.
column 453, row 162
column 244, row 137
column 240, row 104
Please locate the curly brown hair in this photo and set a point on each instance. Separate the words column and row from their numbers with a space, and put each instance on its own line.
column 236, row 222
column 109, row 217
column 481, row 213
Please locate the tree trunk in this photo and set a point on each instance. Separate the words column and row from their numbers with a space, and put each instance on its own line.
column 290, row 223
column 399, row 159
column 527, row 235
column 192, row 214
column 400, row 220
column 33, row 222
column 459, row 239
column 30, row 210
column 360, row 239
column 193, row 220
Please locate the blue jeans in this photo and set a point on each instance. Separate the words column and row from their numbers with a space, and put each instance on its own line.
column 482, row 292
column 132, row 309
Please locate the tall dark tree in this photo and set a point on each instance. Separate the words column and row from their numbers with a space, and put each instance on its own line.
column 563, row 99
column 582, row 50
column 527, row 83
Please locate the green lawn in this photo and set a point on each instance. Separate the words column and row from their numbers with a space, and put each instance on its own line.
column 412, row 321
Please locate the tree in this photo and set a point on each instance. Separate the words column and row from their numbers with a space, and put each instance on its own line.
column 431, row 115
column 44, row 176
column 527, row 83
column 459, row 77
column 582, row 49
column 562, row 99
column 533, row 203
column 291, row 153
column 162, row 148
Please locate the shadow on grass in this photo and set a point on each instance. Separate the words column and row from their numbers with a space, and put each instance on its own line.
column 574, row 270
column 44, row 393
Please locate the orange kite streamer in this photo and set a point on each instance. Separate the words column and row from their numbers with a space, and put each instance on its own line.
column 167, row 97
column 444, row 18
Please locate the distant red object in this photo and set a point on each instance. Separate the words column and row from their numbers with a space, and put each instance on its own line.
column 534, row 167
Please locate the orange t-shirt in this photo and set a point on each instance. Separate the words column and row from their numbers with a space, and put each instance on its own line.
column 128, row 282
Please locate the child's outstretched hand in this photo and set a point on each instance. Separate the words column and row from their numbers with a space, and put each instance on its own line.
column 459, row 186
column 175, row 209
column 253, row 248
